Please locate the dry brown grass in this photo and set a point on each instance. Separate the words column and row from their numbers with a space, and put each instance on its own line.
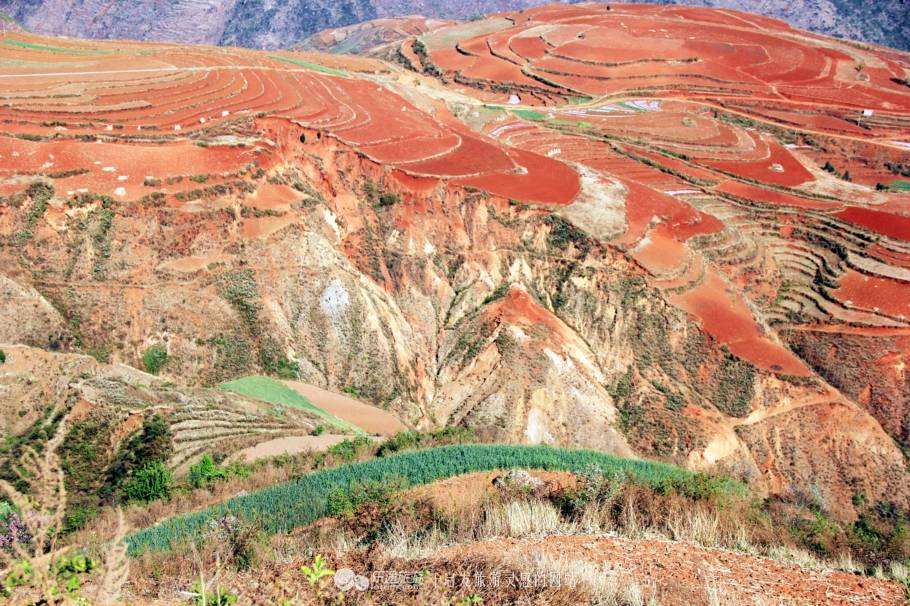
column 521, row 518
column 43, row 509
column 411, row 528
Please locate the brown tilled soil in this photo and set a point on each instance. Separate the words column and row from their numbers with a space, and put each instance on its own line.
column 289, row 445
column 679, row 574
column 369, row 418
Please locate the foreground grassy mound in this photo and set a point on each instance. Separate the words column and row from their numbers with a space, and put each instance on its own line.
column 276, row 392
column 284, row 507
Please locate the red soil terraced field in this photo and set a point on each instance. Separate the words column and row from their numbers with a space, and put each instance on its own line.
column 869, row 292
column 597, row 50
column 61, row 100
column 889, row 224
column 688, row 143
column 725, row 316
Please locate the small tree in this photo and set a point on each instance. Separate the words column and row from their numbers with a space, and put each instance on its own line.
column 2, row 356
column 154, row 358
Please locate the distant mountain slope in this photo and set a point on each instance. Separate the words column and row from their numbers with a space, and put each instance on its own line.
column 361, row 38
column 269, row 24
column 7, row 23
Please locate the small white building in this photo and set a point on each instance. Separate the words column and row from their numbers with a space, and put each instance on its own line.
column 514, row 99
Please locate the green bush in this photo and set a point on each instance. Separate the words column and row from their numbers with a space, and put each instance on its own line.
column 150, row 483
column 206, row 472
column 388, row 199
column 154, row 358
column 284, row 507
column 344, row 501
column 350, row 449
column 2, row 357
column 287, row 369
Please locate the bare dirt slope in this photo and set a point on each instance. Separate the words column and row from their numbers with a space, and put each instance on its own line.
column 680, row 574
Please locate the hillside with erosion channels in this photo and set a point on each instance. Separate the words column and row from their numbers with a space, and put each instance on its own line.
column 661, row 233
column 265, row 24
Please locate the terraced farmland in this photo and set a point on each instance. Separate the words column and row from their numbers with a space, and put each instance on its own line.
column 275, row 392
column 634, row 228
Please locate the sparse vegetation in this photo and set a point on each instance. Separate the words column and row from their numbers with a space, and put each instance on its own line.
column 39, row 193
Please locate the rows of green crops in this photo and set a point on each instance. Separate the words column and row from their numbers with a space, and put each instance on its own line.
column 56, row 49
column 310, row 65
column 284, row 507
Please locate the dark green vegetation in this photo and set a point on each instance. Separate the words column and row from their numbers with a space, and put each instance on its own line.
column 152, row 482
column 284, row 507
column 379, row 198
column 154, row 358
column 13, row 447
column 275, row 392
column 207, row 472
column 95, row 477
column 828, row 167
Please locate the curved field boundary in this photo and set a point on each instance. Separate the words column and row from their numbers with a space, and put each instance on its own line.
column 284, row 507
column 276, row 392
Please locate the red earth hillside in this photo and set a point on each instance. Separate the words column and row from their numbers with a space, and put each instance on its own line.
column 640, row 228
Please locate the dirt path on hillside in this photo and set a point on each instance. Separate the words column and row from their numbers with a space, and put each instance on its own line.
column 679, row 574
column 369, row 418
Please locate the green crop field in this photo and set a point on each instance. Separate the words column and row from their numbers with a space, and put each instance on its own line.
column 901, row 185
column 529, row 114
column 54, row 49
column 284, row 507
column 310, row 65
column 276, row 392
